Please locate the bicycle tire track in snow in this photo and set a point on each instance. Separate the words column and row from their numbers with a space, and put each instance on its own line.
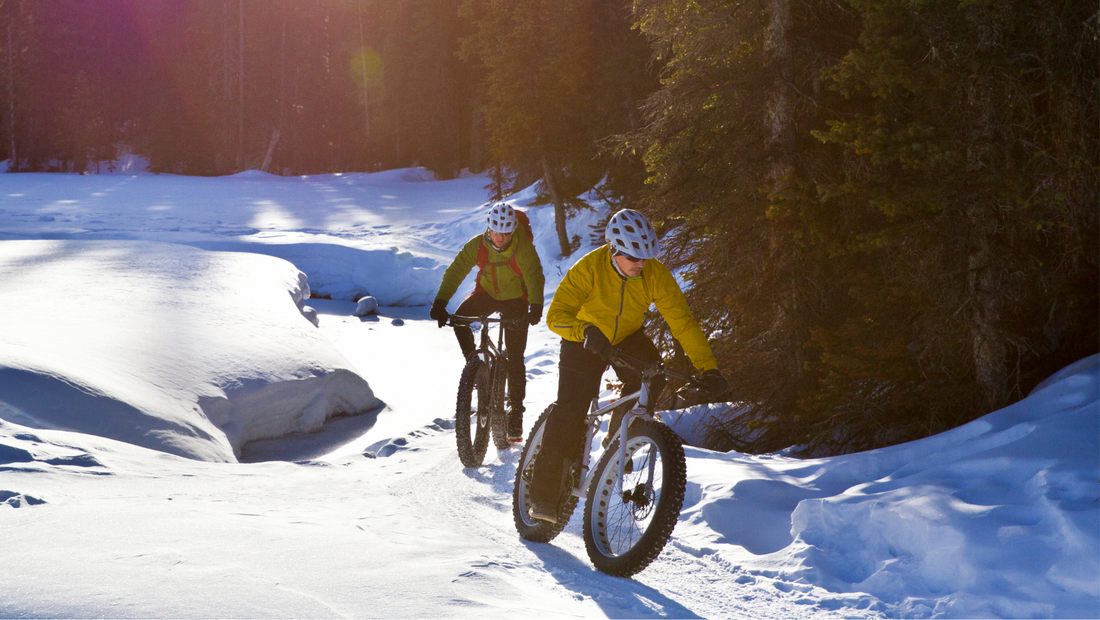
column 476, row 504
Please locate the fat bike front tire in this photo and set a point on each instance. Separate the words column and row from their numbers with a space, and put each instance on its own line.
column 528, row 527
column 472, row 413
column 627, row 526
column 499, row 420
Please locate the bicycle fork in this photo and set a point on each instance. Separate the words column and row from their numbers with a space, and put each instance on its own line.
column 637, row 411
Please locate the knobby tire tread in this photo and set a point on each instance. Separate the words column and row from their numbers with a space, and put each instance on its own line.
column 666, row 513
column 528, row 528
column 500, row 417
column 472, row 440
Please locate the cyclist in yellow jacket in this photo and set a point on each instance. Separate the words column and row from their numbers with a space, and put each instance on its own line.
column 601, row 303
column 509, row 281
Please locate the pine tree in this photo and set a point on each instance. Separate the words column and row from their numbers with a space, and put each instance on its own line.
column 560, row 77
column 731, row 166
column 971, row 131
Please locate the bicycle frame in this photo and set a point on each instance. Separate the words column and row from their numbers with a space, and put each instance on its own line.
column 488, row 350
column 640, row 408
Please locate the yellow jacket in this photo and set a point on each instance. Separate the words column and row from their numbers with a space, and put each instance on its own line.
column 593, row 293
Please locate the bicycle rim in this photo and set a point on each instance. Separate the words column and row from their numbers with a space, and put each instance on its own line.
column 627, row 525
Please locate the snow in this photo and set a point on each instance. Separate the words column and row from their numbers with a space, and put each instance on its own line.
column 185, row 432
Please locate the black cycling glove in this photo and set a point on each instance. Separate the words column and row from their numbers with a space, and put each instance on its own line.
column 716, row 383
column 596, row 342
column 439, row 312
column 534, row 316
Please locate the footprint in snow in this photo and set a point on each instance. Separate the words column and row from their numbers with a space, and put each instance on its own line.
column 439, row 424
column 79, row 460
column 18, row 500
column 389, row 447
column 386, row 448
column 11, row 454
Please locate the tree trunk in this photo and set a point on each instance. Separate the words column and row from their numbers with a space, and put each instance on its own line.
column 282, row 74
column 475, row 132
column 14, row 162
column 780, row 117
column 988, row 346
column 223, row 103
column 366, row 107
column 241, row 164
column 559, row 208
column 270, row 150
column 780, row 151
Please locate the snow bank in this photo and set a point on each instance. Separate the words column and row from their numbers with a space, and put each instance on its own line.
column 165, row 346
column 392, row 276
column 996, row 518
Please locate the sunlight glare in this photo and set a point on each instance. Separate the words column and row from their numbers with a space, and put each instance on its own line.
column 272, row 215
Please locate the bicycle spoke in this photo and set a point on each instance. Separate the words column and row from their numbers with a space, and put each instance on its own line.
column 629, row 514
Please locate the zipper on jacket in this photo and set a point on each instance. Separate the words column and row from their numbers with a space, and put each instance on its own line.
column 622, row 299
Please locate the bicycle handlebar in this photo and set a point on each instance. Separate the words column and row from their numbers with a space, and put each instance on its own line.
column 467, row 320
column 639, row 365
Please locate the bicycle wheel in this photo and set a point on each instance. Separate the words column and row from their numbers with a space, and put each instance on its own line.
column 529, row 528
column 472, row 413
column 625, row 527
column 499, row 419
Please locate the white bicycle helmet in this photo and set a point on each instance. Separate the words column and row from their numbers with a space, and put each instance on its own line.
column 629, row 232
column 502, row 218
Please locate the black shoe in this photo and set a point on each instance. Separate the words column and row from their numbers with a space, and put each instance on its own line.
column 515, row 426
column 545, row 511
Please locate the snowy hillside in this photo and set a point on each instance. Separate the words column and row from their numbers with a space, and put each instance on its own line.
column 183, row 432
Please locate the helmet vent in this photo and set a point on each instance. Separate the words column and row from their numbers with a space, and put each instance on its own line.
column 630, row 232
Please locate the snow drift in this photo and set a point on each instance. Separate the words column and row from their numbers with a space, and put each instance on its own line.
column 165, row 346
column 996, row 518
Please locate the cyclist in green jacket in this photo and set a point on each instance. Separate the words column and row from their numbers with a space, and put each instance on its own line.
column 509, row 281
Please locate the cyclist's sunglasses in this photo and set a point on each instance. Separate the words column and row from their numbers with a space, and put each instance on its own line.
column 629, row 257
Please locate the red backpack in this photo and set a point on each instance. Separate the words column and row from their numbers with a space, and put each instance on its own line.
column 523, row 223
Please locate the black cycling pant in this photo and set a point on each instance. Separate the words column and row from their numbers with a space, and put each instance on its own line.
column 480, row 303
column 579, row 374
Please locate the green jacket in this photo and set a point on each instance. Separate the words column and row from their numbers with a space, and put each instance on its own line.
column 497, row 278
column 593, row 293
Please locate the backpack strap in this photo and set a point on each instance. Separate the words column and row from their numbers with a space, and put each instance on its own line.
column 483, row 260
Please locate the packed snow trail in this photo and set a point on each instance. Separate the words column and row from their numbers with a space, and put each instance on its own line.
column 475, row 504
column 396, row 529
column 372, row 515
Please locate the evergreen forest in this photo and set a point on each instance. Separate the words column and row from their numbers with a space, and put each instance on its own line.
column 887, row 210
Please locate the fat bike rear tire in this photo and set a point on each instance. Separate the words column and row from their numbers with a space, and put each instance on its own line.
column 528, row 527
column 472, row 413
column 625, row 528
column 499, row 420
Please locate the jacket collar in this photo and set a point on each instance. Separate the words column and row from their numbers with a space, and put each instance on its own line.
column 615, row 266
